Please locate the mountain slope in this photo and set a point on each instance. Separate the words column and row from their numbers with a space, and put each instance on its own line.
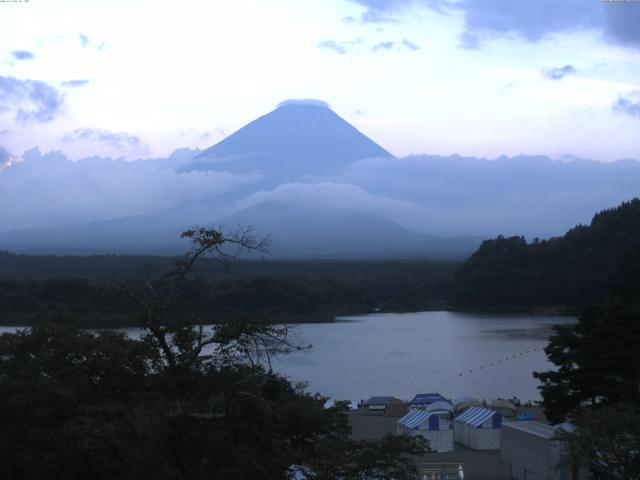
column 295, row 231
column 298, row 231
column 298, row 138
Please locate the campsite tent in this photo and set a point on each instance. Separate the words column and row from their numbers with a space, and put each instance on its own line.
column 351, row 404
column 396, row 408
column 378, row 403
column 437, row 431
column 440, row 407
column 422, row 399
column 504, row 407
column 466, row 401
column 478, row 428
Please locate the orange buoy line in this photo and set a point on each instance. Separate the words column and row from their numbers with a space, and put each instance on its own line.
column 515, row 355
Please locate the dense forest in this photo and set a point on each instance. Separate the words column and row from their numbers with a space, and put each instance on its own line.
column 567, row 272
column 573, row 270
column 595, row 383
column 77, row 404
column 90, row 288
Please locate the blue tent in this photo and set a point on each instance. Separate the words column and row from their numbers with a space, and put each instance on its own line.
column 378, row 403
column 429, row 425
column 426, row 399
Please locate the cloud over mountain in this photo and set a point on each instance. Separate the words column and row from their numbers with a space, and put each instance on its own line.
column 382, row 46
column 23, row 55
column 558, row 73
column 29, row 100
column 43, row 190
column 457, row 195
column 117, row 140
column 308, row 162
column 75, row 83
column 338, row 47
column 617, row 22
column 629, row 104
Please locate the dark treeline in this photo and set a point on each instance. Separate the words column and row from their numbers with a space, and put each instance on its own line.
column 570, row 271
column 290, row 291
column 595, row 384
column 573, row 270
column 177, row 403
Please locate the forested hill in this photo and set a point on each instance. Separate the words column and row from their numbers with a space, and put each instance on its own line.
column 87, row 288
column 572, row 270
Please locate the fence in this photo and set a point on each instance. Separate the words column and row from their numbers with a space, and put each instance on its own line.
column 442, row 471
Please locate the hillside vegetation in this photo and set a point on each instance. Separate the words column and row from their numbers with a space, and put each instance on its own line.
column 291, row 291
column 572, row 270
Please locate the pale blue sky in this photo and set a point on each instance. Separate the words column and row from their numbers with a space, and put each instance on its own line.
column 140, row 78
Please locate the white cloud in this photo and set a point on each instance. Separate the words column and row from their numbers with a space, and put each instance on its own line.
column 45, row 190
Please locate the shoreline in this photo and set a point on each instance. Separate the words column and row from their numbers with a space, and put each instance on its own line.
column 119, row 320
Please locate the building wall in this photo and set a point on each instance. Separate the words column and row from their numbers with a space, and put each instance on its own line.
column 534, row 457
column 526, row 455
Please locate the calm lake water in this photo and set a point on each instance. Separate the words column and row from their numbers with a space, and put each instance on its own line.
column 485, row 355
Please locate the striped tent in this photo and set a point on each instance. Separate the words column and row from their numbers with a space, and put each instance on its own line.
column 437, row 431
column 422, row 399
column 478, row 428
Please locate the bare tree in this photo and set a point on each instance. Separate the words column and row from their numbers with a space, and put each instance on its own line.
column 182, row 340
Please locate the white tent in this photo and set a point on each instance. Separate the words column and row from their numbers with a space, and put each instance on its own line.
column 478, row 428
column 464, row 402
column 437, row 431
column 440, row 407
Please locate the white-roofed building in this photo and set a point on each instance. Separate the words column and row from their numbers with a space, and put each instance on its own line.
column 532, row 452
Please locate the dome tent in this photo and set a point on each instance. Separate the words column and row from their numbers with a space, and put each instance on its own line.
column 396, row 408
column 466, row 401
column 504, row 407
column 440, row 406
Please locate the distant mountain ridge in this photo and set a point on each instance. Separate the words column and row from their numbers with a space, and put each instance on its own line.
column 298, row 140
column 308, row 232
column 339, row 194
column 295, row 232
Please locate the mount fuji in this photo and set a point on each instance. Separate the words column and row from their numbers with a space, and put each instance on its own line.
column 300, row 144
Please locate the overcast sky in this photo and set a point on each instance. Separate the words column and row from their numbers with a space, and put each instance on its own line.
column 140, row 78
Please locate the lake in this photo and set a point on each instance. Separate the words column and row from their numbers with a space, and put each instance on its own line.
column 485, row 355
column 401, row 354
